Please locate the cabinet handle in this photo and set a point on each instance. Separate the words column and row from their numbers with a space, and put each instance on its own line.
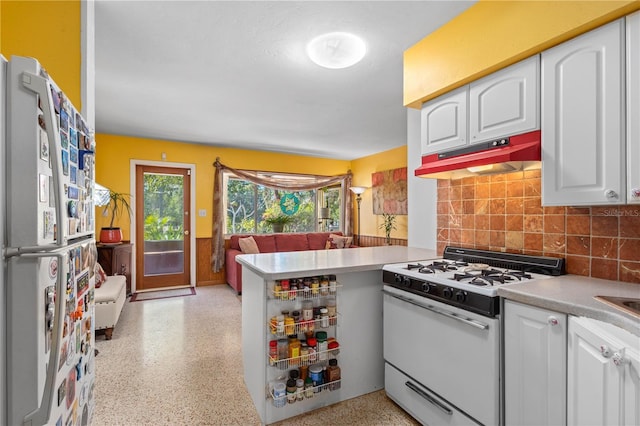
column 552, row 320
column 429, row 398
column 619, row 359
column 605, row 351
column 610, row 193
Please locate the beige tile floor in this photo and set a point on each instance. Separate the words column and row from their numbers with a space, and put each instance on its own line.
column 178, row 361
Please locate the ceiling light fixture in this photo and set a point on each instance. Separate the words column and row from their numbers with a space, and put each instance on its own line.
column 336, row 50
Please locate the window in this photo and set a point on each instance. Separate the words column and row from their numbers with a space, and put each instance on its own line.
column 253, row 208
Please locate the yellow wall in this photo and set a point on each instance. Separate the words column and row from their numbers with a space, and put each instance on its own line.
column 493, row 34
column 113, row 155
column 50, row 32
column 362, row 169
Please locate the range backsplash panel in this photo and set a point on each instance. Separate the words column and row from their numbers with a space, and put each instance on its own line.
column 504, row 212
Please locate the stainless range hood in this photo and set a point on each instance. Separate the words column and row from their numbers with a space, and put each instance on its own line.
column 504, row 155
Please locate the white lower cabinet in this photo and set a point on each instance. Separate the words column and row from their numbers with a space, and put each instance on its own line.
column 535, row 365
column 603, row 378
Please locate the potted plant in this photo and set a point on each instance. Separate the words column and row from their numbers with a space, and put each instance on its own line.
column 117, row 205
column 278, row 221
column 388, row 224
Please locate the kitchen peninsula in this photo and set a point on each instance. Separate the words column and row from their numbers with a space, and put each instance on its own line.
column 357, row 327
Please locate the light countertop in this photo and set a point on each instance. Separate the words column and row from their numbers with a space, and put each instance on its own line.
column 297, row 264
column 574, row 294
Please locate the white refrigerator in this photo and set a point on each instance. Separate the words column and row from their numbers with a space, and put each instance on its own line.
column 47, row 332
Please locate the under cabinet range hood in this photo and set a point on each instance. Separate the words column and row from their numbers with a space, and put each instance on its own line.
column 504, row 155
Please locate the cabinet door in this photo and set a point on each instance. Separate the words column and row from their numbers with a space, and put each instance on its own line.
column 444, row 122
column 535, row 342
column 505, row 103
column 600, row 392
column 633, row 108
column 583, row 139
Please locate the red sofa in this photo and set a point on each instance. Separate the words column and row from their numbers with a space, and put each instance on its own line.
column 270, row 243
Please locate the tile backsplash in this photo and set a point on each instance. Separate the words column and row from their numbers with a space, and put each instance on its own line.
column 504, row 213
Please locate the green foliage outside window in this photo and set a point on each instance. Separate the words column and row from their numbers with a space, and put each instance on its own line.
column 163, row 207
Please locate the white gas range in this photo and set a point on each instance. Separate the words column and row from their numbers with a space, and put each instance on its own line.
column 442, row 332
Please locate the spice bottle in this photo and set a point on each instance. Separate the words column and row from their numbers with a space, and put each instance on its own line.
column 277, row 290
column 333, row 375
column 294, row 290
column 315, row 287
column 331, row 308
column 299, row 389
column 289, row 326
column 333, row 284
column 273, row 352
column 324, row 286
column 312, row 343
column 284, row 294
column 315, row 373
column 283, row 353
column 304, row 372
column 280, row 324
column 308, row 388
column 321, row 345
column 291, row 391
column 294, row 351
column 279, row 394
column 324, row 317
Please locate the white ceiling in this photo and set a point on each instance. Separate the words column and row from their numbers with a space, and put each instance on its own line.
column 234, row 73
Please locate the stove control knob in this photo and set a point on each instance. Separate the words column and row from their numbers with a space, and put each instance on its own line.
column 461, row 296
column 406, row 281
column 448, row 292
column 398, row 278
column 426, row 288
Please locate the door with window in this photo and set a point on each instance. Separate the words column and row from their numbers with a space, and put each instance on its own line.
column 163, row 230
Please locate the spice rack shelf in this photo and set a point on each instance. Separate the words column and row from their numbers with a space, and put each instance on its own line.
column 301, row 396
column 320, row 358
column 302, row 327
column 301, row 294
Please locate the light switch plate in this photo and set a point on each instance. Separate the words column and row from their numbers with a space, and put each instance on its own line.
column 202, row 212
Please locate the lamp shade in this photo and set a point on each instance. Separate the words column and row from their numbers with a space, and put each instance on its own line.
column 358, row 189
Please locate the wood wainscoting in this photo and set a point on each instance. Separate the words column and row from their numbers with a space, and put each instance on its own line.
column 374, row 241
column 204, row 274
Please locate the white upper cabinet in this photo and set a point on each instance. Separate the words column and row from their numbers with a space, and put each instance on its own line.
column 633, row 108
column 603, row 385
column 583, row 117
column 505, row 103
column 444, row 122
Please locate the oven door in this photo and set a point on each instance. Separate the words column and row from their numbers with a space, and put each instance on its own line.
column 449, row 351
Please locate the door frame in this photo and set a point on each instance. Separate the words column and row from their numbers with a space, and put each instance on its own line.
column 192, row 208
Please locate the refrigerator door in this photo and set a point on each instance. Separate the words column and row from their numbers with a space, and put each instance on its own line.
column 50, row 338
column 50, row 167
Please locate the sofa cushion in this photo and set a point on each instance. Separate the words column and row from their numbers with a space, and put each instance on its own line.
column 292, row 242
column 339, row 241
column 248, row 245
column 266, row 243
column 317, row 240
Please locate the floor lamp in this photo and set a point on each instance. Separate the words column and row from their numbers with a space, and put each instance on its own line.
column 358, row 190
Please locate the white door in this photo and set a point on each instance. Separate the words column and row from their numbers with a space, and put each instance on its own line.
column 583, row 119
column 601, row 391
column 535, row 347
column 505, row 103
column 633, row 108
column 444, row 122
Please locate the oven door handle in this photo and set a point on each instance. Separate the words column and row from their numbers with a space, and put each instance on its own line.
column 468, row 321
column 429, row 398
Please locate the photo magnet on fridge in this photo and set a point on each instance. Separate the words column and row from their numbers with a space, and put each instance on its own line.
column 65, row 162
column 73, row 153
column 44, row 145
column 73, row 135
column 64, row 140
column 72, row 174
column 64, row 120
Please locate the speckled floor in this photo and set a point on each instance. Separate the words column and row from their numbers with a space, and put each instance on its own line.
column 178, row 361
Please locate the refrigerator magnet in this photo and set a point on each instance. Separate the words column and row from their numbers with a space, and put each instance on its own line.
column 44, row 145
column 65, row 162
column 62, row 391
column 64, row 120
column 71, row 387
column 73, row 136
column 72, row 174
column 64, row 140
column 56, row 100
column 73, row 153
column 44, row 188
